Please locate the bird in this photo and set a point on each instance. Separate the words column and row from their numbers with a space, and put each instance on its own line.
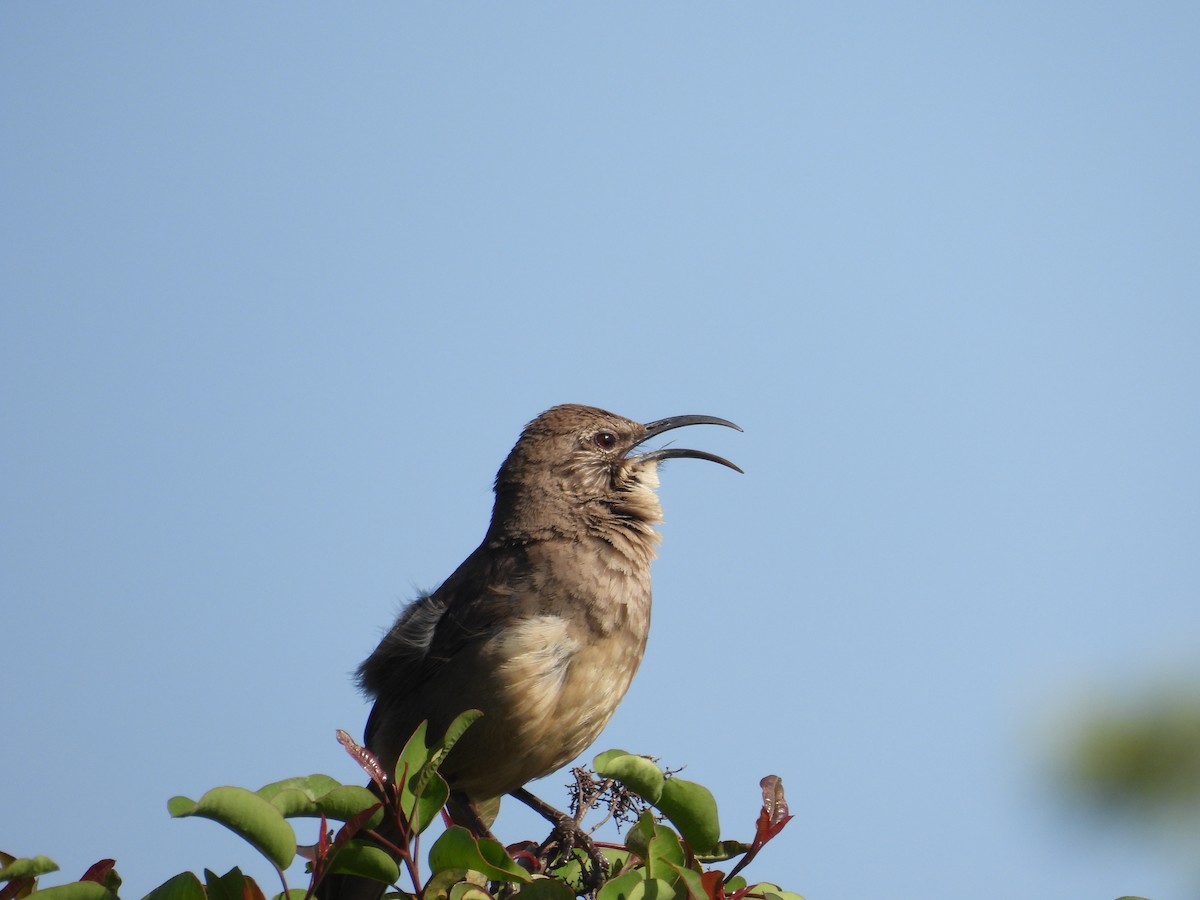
column 544, row 625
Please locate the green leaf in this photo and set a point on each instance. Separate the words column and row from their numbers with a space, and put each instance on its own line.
column 617, row 857
column 292, row 803
column 465, row 890
column 653, row 889
column 638, row 838
column 454, row 731
column 439, row 885
column 323, row 797
column 414, row 755
column 665, row 853
column 422, row 792
column 311, row 786
column 603, row 758
column 692, row 809
column 572, row 870
column 432, row 796
column 230, row 886
column 689, row 880
column 425, row 783
column 622, row 886
column 246, row 814
column 346, row 801
column 367, row 860
column 76, row 890
column 458, row 848
column 638, row 773
column 488, row 810
column 722, row 851
column 26, row 867
column 657, row 845
column 184, row 886
column 774, row 892
column 292, row 894
column 542, row 888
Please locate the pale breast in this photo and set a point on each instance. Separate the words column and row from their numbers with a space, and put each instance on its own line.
column 557, row 683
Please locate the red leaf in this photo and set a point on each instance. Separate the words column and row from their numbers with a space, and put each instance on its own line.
column 98, row 871
column 15, row 888
column 251, row 890
column 714, row 884
column 774, row 801
column 363, row 757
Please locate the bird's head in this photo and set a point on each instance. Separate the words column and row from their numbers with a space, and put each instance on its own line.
column 578, row 464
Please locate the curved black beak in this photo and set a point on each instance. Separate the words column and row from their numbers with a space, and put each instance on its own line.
column 653, row 429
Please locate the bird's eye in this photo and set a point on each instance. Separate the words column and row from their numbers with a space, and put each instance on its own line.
column 605, row 440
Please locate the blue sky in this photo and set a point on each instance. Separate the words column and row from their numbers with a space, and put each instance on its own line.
column 283, row 283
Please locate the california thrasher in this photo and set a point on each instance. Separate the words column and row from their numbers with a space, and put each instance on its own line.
column 543, row 626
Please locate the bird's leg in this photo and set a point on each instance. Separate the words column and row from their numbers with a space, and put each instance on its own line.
column 570, row 834
column 463, row 811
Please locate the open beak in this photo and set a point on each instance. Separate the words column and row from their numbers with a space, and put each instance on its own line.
column 653, row 429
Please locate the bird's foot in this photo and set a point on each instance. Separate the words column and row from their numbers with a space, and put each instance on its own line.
column 568, row 835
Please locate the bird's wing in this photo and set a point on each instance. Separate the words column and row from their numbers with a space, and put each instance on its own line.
column 435, row 630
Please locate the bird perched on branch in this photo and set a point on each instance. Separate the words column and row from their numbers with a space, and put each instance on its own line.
column 543, row 626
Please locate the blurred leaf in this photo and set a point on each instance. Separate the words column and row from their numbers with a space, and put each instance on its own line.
column 692, row 809
column 638, row 773
column 1145, row 758
column 26, row 867
column 246, row 814
column 457, row 848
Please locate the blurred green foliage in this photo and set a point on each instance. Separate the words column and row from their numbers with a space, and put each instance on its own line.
column 1139, row 758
